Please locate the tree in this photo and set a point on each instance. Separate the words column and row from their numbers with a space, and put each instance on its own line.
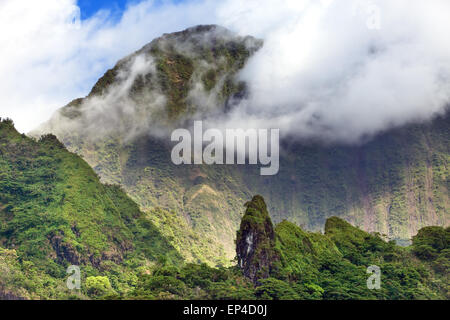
column 98, row 286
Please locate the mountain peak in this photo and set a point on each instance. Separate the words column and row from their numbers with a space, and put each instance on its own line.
column 255, row 243
column 176, row 76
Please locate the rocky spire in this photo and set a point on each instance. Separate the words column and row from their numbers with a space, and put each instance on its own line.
column 255, row 241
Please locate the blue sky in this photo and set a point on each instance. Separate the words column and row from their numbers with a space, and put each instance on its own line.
column 90, row 7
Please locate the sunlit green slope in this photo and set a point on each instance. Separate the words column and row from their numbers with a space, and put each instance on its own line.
column 54, row 212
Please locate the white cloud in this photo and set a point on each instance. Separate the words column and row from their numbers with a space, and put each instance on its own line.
column 343, row 70
column 49, row 56
column 337, row 70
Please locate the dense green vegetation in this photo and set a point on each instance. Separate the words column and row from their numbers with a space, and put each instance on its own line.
column 54, row 212
column 312, row 266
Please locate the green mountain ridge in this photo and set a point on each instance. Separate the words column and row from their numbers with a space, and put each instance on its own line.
column 394, row 184
column 284, row 262
column 54, row 212
column 333, row 265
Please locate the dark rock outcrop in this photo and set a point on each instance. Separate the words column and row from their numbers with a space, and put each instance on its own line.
column 64, row 251
column 255, row 242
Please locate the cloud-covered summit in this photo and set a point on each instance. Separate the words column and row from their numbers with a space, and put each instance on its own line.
column 178, row 77
column 338, row 71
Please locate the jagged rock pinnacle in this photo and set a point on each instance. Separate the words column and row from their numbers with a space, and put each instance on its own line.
column 255, row 243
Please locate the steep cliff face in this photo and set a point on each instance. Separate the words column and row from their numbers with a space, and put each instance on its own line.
column 394, row 184
column 255, row 241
